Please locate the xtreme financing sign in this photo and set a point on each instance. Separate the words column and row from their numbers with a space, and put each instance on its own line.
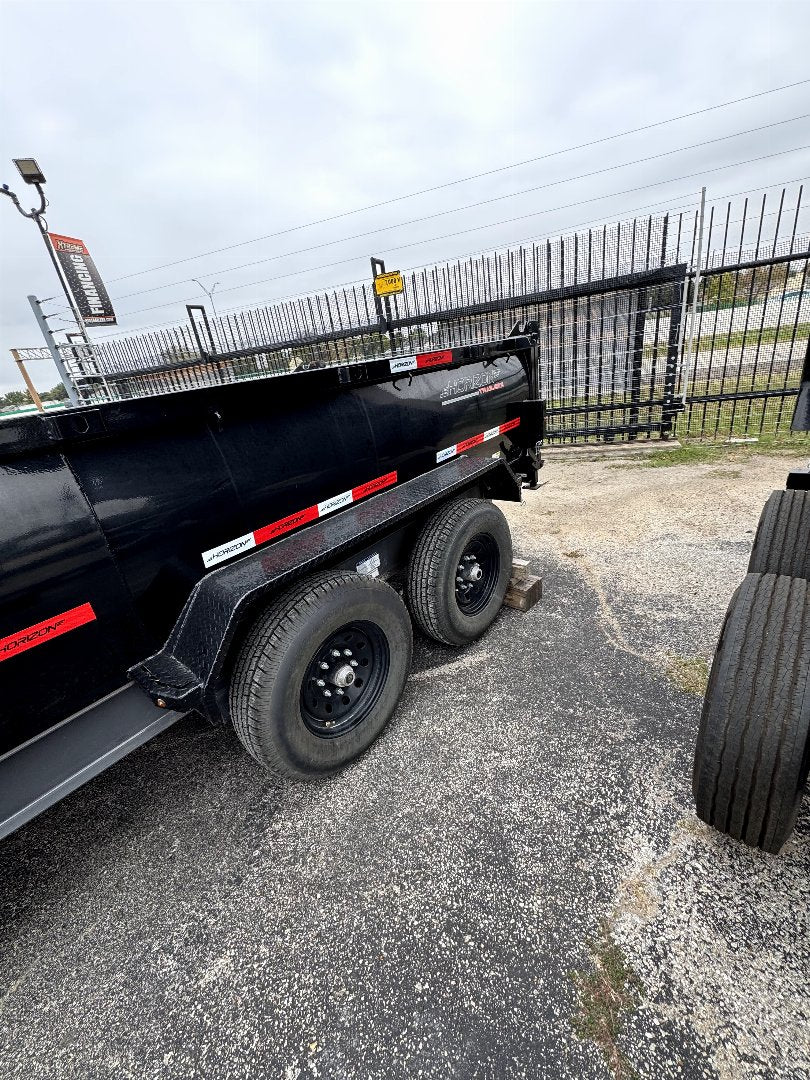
column 83, row 280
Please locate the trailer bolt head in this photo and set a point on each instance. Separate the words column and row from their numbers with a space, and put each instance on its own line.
column 161, row 704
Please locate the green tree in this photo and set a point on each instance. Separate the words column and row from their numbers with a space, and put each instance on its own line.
column 16, row 397
column 56, row 393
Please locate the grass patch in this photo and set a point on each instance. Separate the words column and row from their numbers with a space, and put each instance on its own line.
column 607, row 996
column 698, row 452
column 689, row 673
column 768, row 335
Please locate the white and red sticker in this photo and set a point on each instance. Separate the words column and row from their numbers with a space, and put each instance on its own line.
column 475, row 440
column 44, row 631
column 421, row 361
column 294, row 521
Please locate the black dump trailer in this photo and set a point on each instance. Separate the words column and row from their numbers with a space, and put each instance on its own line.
column 753, row 747
column 256, row 552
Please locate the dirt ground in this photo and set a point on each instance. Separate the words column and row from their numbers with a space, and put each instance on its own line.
column 672, row 543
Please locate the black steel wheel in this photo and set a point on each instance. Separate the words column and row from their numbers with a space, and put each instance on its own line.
column 321, row 673
column 345, row 679
column 782, row 542
column 459, row 571
column 753, row 748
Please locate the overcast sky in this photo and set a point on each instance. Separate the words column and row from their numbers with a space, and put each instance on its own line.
column 169, row 129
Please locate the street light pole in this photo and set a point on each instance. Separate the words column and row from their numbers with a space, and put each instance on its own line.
column 208, row 292
column 31, row 174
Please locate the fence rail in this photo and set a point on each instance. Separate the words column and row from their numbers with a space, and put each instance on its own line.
column 621, row 354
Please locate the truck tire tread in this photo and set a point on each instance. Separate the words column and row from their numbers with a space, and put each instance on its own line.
column 751, row 760
column 427, row 588
column 268, row 640
column 782, row 541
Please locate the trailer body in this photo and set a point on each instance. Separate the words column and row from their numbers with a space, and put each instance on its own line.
column 116, row 517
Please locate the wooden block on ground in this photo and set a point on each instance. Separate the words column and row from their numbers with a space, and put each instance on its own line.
column 523, row 592
column 520, row 569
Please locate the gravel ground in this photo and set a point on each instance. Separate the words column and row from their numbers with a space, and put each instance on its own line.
column 420, row 915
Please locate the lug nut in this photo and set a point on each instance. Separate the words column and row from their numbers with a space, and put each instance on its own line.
column 347, row 652
column 320, row 682
column 335, row 653
column 327, row 693
column 323, row 665
column 353, row 663
column 460, row 579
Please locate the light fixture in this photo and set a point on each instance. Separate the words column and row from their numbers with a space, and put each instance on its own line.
column 29, row 170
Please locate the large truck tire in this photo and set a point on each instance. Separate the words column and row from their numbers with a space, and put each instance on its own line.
column 782, row 542
column 459, row 571
column 753, row 748
column 320, row 673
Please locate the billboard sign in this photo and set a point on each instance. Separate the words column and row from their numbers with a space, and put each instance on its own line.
column 83, row 280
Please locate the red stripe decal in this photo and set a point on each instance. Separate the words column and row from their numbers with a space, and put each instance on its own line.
column 433, row 359
column 45, row 630
column 374, row 485
column 474, row 440
column 292, row 521
column 509, row 425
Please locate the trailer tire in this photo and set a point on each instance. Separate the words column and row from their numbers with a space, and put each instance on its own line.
column 753, row 750
column 465, row 531
column 280, row 714
column 782, row 542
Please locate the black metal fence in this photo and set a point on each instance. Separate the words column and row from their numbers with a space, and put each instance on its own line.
column 636, row 339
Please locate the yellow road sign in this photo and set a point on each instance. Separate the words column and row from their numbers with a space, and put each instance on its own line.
column 388, row 284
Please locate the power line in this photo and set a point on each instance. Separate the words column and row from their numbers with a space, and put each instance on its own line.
column 460, row 209
column 667, row 203
column 465, row 179
column 491, row 225
column 419, row 266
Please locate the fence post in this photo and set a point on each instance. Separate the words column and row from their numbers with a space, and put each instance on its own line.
column 205, row 354
column 687, row 369
column 637, row 362
column 383, row 313
column 669, row 411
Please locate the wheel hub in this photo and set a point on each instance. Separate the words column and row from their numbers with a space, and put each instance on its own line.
column 342, row 676
column 477, row 574
column 344, row 679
